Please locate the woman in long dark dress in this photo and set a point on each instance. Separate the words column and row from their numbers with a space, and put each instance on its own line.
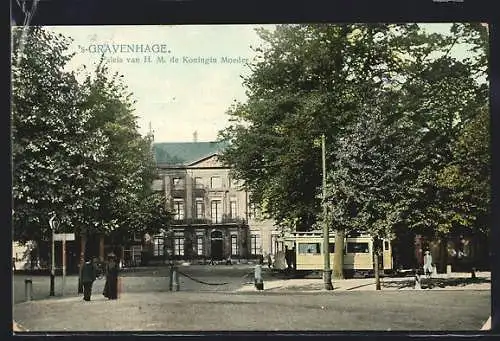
column 111, row 285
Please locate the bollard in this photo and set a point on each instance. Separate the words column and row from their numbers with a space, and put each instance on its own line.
column 448, row 269
column 170, row 278
column 28, row 289
column 175, row 279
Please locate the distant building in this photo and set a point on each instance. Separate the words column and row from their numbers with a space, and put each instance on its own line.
column 22, row 257
column 213, row 217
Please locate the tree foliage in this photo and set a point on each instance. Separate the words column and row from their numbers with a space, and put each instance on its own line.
column 53, row 151
column 76, row 147
column 392, row 100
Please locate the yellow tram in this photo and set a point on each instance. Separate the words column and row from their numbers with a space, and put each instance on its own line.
column 358, row 253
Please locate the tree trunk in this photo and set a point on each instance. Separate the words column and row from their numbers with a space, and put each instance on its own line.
column 83, row 244
column 101, row 248
column 443, row 257
column 338, row 257
column 376, row 267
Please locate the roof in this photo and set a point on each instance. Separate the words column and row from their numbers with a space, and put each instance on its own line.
column 184, row 153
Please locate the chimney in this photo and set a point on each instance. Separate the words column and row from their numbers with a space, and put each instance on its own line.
column 195, row 136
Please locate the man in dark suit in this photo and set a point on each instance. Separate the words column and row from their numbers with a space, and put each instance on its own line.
column 89, row 274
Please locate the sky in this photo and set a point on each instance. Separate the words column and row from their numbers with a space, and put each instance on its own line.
column 181, row 96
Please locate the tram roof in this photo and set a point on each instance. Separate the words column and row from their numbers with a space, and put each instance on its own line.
column 319, row 233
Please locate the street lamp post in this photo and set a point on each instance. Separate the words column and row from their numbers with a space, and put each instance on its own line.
column 327, row 272
column 54, row 224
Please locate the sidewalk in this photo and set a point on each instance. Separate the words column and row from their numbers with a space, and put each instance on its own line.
column 454, row 281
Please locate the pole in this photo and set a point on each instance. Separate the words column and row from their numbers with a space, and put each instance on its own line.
column 327, row 272
column 53, row 266
column 63, row 263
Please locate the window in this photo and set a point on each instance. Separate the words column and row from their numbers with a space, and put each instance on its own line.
column 331, row 247
column 199, row 208
column 232, row 209
column 198, row 182
column 179, row 246
column 234, row 245
column 215, row 182
column 252, row 211
column 178, row 183
column 199, row 245
column 157, row 185
column 357, row 248
column 309, row 248
column 178, row 209
column 255, row 245
column 386, row 245
column 158, row 244
column 217, row 211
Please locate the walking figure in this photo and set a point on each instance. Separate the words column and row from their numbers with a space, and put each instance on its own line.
column 428, row 268
column 89, row 275
column 259, row 281
column 111, row 285
column 288, row 258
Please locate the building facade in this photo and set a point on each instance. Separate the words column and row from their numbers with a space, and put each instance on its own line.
column 212, row 215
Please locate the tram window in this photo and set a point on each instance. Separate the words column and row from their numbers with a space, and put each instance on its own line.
column 386, row 245
column 331, row 247
column 309, row 248
column 357, row 248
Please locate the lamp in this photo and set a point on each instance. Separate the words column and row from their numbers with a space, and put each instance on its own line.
column 54, row 224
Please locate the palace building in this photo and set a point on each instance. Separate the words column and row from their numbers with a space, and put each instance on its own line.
column 212, row 215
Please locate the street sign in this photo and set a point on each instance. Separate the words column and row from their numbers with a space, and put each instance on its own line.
column 64, row 236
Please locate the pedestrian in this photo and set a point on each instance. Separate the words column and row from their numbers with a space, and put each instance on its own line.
column 258, row 280
column 89, row 275
column 428, row 267
column 287, row 258
column 111, row 285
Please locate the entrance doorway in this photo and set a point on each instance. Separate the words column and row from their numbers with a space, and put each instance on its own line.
column 216, row 245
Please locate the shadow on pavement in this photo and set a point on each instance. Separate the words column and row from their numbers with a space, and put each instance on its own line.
column 429, row 283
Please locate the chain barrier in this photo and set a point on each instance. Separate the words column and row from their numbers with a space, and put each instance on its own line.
column 199, row 281
column 206, row 283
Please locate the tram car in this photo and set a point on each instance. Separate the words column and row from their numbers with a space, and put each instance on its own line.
column 358, row 253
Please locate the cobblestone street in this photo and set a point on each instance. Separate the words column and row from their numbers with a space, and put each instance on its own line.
column 286, row 304
column 187, row 311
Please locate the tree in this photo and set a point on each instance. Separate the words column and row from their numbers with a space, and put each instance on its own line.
column 372, row 173
column 444, row 97
column 128, row 166
column 389, row 167
column 55, row 155
column 310, row 80
column 76, row 147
